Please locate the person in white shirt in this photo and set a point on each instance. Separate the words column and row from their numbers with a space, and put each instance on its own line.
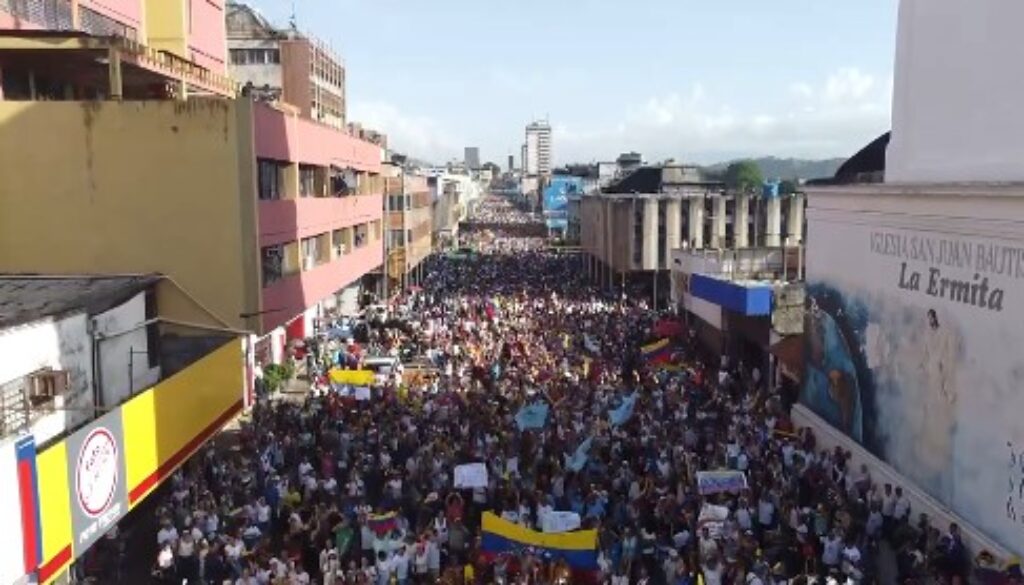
column 831, row 550
column 400, row 564
column 167, row 535
column 901, row 510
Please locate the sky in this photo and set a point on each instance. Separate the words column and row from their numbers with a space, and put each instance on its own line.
column 695, row 80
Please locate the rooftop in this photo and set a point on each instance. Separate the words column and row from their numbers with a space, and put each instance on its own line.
column 29, row 297
column 655, row 179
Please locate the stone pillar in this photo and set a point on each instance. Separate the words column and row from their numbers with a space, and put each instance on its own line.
column 649, row 256
column 718, row 221
column 741, row 221
column 696, row 235
column 773, row 231
column 672, row 226
column 795, row 220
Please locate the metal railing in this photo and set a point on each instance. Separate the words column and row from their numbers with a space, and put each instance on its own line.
column 49, row 14
column 785, row 263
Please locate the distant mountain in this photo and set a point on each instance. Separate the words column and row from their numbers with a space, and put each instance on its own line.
column 788, row 168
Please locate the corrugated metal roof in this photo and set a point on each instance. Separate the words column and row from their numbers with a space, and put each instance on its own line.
column 25, row 298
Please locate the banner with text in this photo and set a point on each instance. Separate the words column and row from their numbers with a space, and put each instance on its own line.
column 914, row 328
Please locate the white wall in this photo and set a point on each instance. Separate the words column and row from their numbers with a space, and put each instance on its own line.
column 532, row 166
column 61, row 345
column 829, row 438
column 958, row 95
column 914, row 338
column 114, row 351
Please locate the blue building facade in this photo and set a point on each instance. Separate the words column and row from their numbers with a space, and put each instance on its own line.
column 556, row 198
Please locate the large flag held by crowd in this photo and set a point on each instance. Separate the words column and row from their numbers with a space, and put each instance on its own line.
column 579, row 458
column 623, row 412
column 659, row 352
column 532, row 416
column 578, row 549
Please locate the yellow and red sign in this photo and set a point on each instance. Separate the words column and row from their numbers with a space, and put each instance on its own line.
column 162, row 428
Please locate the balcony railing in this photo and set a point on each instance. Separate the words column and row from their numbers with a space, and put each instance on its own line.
column 785, row 263
column 49, row 14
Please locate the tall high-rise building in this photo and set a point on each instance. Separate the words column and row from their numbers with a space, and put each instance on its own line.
column 511, row 163
column 472, row 158
column 522, row 158
column 537, row 160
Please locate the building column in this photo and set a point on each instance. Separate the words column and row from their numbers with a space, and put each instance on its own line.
column 115, row 81
column 649, row 253
column 718, row 221
column 741, row 221
column 795, row 220
column 773, row 231
column 672, row 227
column 696, row 235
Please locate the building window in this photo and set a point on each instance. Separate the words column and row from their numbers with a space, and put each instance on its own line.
column 307, row 181
column 255, row 56
column 338, row 244
column 313, row 252
column 272, row 258
column 395, row 203
column 361, row 235
column 408, row 202
column 269, row 179
column 50, row 14
column 396, row 238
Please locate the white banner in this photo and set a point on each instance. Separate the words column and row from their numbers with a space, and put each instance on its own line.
column 560, row 521
column 362, row 393
column 471, row 475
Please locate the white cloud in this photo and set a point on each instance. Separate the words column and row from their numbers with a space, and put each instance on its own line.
column 416, row 135
column 834, row 117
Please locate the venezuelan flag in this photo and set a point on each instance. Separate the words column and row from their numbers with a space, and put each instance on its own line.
column 382, row 524
column 658, row 352
column 579, row 549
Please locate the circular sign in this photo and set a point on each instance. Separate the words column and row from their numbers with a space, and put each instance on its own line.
column 96, row 473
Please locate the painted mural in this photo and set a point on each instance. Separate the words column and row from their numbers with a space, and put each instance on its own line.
column 915, row 349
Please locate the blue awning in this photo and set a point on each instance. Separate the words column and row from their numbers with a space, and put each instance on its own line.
column 752, row 300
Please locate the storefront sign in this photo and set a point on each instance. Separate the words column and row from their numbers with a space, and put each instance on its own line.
column 96, row 474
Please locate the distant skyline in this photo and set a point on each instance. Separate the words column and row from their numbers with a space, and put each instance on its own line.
column 696, row 81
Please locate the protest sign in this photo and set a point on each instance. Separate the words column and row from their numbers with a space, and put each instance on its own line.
column 471, row 475
column 553, row 522
column 713, row 482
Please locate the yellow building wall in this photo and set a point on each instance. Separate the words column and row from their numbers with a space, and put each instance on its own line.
column 54, row 511
column 167, row 26
column 165, row 425
column 135, row 187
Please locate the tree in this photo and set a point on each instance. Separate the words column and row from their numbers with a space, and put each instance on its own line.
column 744, row 175
column 788, row 187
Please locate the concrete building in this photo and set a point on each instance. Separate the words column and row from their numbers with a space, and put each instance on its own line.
column 629, row 230
column 286, row 65
column 410, row 226
column 287, row 210
column 472, row 158
column 511, row 163
column 537, row 159
column 628, row 162
column 913, row 324
column 97, row 362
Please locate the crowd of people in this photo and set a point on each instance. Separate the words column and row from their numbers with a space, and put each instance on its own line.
column 337, row 488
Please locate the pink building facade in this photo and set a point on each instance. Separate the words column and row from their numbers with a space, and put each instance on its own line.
column 320, row 212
